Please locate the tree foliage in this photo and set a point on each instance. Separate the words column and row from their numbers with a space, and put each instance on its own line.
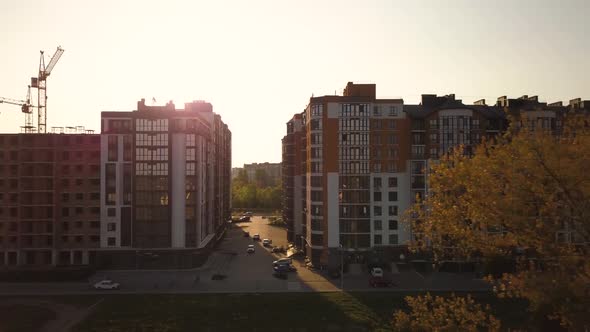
column 259, row 193
column 442, row 314
column 525, row 196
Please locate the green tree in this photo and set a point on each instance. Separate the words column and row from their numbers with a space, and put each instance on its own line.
column 528, row 192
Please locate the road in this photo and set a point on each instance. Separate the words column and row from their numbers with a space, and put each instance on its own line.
column 244, row 273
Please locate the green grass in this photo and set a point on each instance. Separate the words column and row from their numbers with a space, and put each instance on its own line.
column 260, row 312
column 23, row 318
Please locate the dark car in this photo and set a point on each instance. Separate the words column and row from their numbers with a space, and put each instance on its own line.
column 284, row 268
column 244, row 219
column 246, row 234
column 380, row 282
column 280, row 275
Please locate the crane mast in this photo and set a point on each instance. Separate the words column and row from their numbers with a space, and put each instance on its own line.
column 40, row 83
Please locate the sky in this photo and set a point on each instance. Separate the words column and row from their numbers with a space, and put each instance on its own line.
column 259, row 61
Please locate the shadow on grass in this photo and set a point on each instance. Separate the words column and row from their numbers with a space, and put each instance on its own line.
column 19, row 318
column 234, row 312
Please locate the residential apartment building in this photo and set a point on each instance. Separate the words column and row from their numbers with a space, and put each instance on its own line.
column 352, row 164
column 49, row 199
column 274, row 171
column 166, row 177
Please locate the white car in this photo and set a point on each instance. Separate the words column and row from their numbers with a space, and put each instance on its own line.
column 266, row 242
column 256, row 237
column 250, row 249
column 283, row 261
column 106, row 284
column 377, row 272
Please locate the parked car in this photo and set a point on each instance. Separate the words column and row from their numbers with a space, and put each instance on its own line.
column 249, row 214
column 244, row 219
column 276, row 249
column 256, row 237
column 280, row 275
column 106, row 284
column 283, row 261
column 284, row 268
column 246, row 234
column 250, row 249
column 380, row 282
column 266, row 242
column 377, row 272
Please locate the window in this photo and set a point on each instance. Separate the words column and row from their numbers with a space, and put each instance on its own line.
column 111, row 212
column 79, row 211
column 65, row 212
column 127, row 148
column 377, row 183
column 79, row 182
column 78, row 224
column 65, row 197
column 95, row 224
column 377, row 167
column 113, row 143
column 393, row 239
column 94, row 238
column 95, row 196
column 376, row 110
column 393, row 196
column 377, row 239
column 111, row 241
column 391, row 124
column 392, row 211
column 393, row 225
column 376, row 211
column 79, row 238
column 377, row 196
column 111, row 227
column 79, row 196
column 392, row 111
column 392, row 139
column 377, row 225
column 392, row 181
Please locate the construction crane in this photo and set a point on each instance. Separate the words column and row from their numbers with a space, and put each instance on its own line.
column 40, row 83
column 25, row 105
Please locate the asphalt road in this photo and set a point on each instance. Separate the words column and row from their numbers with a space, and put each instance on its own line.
column 244, row 273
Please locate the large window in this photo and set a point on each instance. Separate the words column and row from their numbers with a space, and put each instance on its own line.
column 151, row 125
column 113, row 143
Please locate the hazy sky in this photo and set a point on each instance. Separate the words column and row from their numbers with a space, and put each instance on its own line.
column 258, row 62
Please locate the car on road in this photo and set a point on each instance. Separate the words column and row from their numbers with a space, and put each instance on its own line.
column 256, row 237
column 244, row 219
column 246, row 234
column 380, row 282
column 106, row 284
column 250, row 249
column 283, row 261
column 276, row 249
column 284, row 268
column 266, row 242
column 249, row 214
column 377, row 272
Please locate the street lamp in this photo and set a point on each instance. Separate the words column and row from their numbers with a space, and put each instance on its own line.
column 341, row 267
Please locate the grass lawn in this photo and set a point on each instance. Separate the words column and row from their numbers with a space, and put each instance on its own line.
column 23, row 318
column 260, row 312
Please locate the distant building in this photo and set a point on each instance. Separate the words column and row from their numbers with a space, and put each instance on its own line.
column 49, row 199
column 352, row 164
column 274, row 171
column 166, row 181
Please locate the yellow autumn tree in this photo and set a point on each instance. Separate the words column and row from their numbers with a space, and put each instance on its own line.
column 524, row 196
column 444, row 314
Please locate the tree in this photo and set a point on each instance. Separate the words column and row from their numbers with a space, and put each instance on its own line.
column 444, row 314
column 526, row 196
column 262, row 179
